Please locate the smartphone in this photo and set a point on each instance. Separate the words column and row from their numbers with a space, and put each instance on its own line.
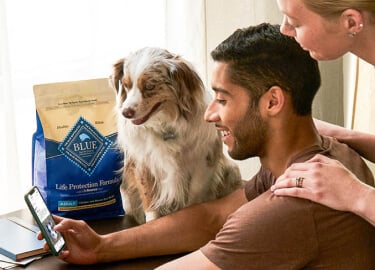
column 44, row 219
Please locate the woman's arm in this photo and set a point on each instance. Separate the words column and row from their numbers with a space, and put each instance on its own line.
column 364, row 205
column 363, row 143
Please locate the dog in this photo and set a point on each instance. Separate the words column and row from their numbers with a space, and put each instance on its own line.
column 173, row 158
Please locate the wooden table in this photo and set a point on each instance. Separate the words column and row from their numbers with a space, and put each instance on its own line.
column 102, row 227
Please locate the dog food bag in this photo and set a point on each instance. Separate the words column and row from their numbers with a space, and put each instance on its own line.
column 75, row 160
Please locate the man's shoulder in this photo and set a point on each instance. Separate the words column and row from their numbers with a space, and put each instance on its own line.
column 259, row 183
column 341, row 152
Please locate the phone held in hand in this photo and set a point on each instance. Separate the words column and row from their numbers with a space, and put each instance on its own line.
column 44, row 219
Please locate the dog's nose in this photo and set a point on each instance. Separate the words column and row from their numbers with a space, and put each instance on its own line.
column 128, row 112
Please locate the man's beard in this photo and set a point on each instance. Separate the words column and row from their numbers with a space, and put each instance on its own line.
column 249, row 136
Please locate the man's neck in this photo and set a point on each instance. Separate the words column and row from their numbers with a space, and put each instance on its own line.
column 289, row 139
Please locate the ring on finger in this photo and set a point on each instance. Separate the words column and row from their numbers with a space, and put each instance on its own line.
column 299, row 182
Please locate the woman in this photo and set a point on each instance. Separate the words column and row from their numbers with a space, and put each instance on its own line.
column 328, row 29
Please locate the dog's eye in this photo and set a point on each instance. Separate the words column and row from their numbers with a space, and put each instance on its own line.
column 127, row 83
column 149, row 86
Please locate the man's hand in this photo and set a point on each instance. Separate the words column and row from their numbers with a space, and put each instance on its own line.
column 82, row 242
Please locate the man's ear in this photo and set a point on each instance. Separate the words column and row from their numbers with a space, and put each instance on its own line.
column 274, row 99
column 352, row 20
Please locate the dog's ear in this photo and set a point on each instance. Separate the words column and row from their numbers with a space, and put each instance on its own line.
column 189, row 85
column 117, row 74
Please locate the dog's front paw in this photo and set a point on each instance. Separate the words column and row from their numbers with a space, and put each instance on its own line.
column 151, row 215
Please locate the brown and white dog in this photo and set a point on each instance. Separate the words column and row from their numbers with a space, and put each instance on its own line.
column 173, row 158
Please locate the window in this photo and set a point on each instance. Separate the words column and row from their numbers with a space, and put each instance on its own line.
column 45, row 41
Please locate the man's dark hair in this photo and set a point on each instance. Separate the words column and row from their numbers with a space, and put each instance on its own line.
column 260, row 57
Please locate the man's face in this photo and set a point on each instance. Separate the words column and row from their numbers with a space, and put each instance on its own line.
column 241, row 125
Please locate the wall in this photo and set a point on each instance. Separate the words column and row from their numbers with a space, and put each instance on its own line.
column 364, row 109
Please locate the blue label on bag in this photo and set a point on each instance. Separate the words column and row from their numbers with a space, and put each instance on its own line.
column 67, row 204
column 84, row 146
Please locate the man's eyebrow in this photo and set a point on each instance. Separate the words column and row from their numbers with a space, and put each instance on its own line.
column 291, row 17
column 221, row 90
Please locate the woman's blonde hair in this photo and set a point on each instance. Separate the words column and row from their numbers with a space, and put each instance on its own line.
column 332, row 8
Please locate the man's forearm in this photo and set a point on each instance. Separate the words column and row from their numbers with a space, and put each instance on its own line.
column 166, row 235
column 183, row 231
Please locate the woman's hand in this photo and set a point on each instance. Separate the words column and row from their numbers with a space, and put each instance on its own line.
column 325, row 181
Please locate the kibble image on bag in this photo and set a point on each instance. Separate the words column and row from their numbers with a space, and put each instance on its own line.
column 76, row 163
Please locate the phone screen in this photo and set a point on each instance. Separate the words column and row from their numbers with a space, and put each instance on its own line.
column 44, row 220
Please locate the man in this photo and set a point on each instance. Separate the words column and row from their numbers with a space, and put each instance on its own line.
column 264, row 84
